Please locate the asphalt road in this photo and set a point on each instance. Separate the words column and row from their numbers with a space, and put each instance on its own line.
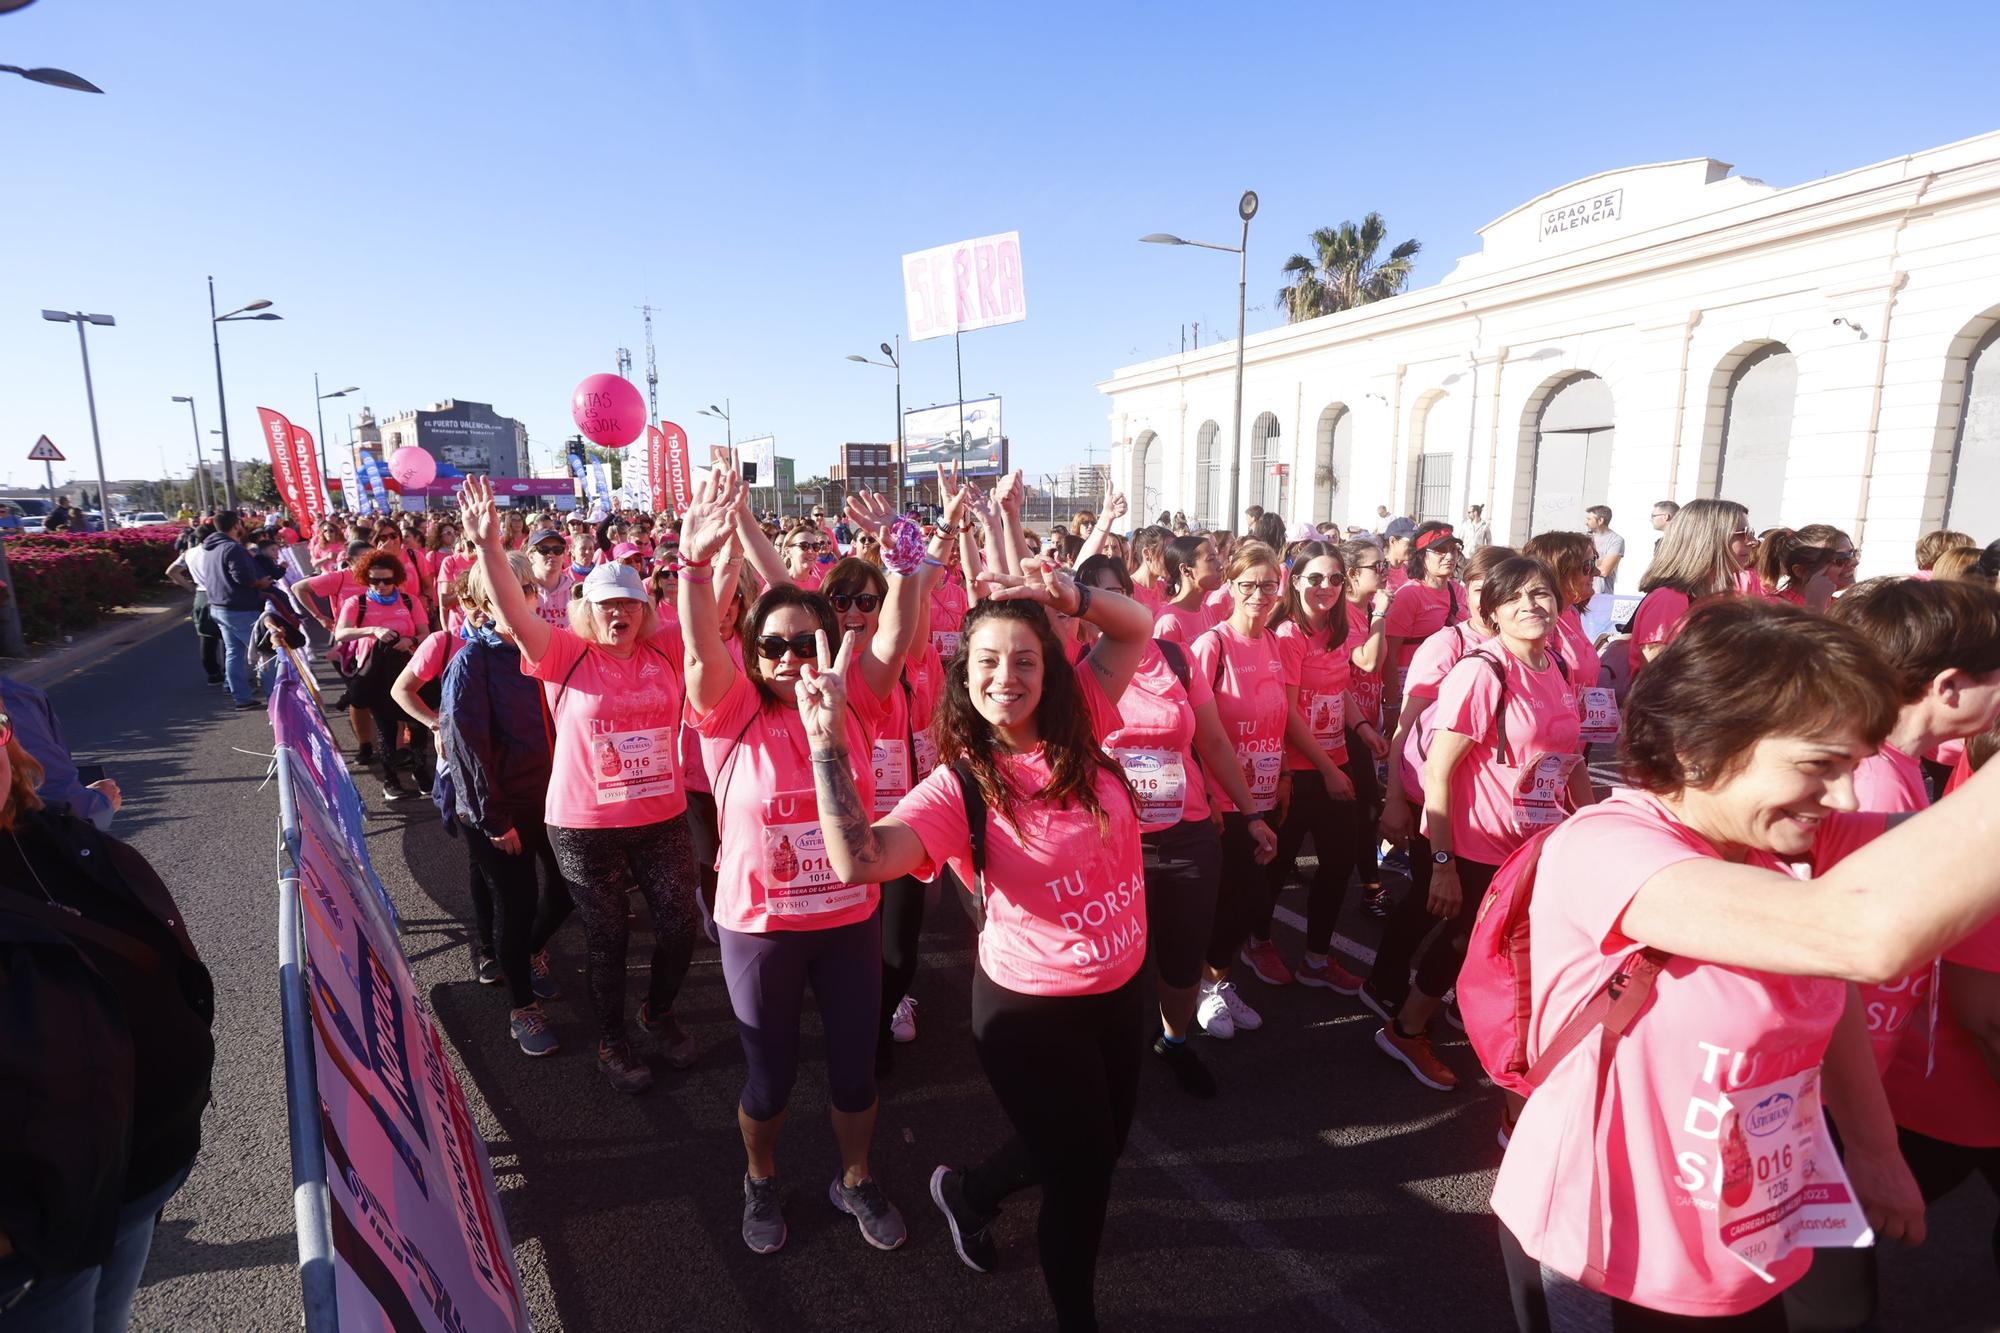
column 1324, row 1189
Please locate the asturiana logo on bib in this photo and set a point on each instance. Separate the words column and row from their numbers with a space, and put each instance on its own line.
column 635, row 745
column 1770, row 1115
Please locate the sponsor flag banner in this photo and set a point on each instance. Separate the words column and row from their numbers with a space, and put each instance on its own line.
column 968, row 285
column 305, row 458
column 284, row 462
column 677, row 467
column 600, row 484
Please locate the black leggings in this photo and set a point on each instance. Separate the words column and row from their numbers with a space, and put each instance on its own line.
column 1412, row 923
column 1336, row 831
column 1183, row 868
column 1239, row 895
column 705, row 837
column 526, row 914
column 602, row 865
column 1368, row 796
column 1066, row 1071
column 902, row 927
column 1941, row 1167
column 1547, row 1302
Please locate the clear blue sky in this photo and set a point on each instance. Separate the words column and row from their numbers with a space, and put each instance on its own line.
column 470, row 200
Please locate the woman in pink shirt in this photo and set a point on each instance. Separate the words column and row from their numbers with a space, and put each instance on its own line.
column 1708, row 548
column 615, row 801
column 1194, row 574
column 1058, row 995
column 1149, row 568
column 1505, row 759
column 1572, row 558
column 1367, row 649
column 1427, row 603
column 1684, row 1168
column 787, row 918
column 377, row 631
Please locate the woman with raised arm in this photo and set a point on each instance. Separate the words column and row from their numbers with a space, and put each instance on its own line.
column 615, row 801
column 1058, row 1000
column 785, row 915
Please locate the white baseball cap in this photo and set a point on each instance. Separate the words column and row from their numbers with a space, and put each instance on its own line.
column 609, row 582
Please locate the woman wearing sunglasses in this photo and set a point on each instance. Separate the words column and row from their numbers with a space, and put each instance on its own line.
column 379, row 630
column 615, row 799
column 1707, row 552
column 787, row 919
column 1427, row 603
column 1367, row 648
column 1809, row 566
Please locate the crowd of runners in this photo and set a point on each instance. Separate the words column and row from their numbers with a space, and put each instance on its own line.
column 1736, row 1010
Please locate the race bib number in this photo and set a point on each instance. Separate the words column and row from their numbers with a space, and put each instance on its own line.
column 1159, row 780
column 799, row 878
column 1326, row 714
column 631, row 765
column 1541, row 792
column 945, row 641
column 1260, row 772
column 892, row 773
column 1783, row 1187
column 927, row 755
column 1600, row 715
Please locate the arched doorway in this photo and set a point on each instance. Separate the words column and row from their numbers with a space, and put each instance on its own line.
column 1204, row 474
column 1431, row 457
column 1972, row 498
column 1331, row 463
column 1573, row 439
column 1267, row 484
column 1756, row 440
column 1146, row 488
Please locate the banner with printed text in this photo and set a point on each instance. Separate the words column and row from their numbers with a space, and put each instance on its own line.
column 285, row 463
column 305, row 461
column 676, row 467
column 967, row 285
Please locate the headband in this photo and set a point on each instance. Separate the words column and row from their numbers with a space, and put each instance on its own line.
column 1434, row 536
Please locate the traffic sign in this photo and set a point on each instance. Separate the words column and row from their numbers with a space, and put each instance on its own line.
column 45, row 451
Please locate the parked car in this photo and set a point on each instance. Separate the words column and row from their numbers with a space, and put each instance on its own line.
column 147, row 519
column 23, row 513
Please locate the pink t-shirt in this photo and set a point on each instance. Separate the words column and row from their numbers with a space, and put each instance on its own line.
column 552, row 604
column 1065, row 900
column 1322, row 676
column 1960, row 1100
column 947, row 614
column 904, row 750
column 1658, row 620
column 1418, row 611
column 1151, row 597
column 1573, row 642
column 333, row 587
column 405, row 615
column 434, row 654
column 693, row 771
column 1219, row 604
column 773, row 873
column 1891, row 782
column 1435, row 658
column 1183, row 626
column 1365, row 685
column 1248, row 678
column 1544, row 717
column 617, row 756
column 1153, row 741
column 1395, row 577
column 1707, row 1029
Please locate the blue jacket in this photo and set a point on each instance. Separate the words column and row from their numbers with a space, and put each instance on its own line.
column 34, row 720
column 495, row 738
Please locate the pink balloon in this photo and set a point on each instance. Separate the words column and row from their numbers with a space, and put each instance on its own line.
column 608, row 410
column 413, row 466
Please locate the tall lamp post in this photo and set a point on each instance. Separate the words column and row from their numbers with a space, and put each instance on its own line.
column 200, row 465
column 895, row 363
column 1246, row 208
column 319, row 399
column 221, row 402
column 80, row 319
column 728, row 426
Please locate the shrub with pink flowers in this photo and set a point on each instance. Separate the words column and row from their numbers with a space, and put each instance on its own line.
column 64, row 581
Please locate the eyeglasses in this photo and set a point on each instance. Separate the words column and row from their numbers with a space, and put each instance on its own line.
column 1743, row 534
column 771, row 647
column 550, row 550
column 1374, row 568
column 810, row 545
column 1319, row 580
column 1846, row 557
column 1268, row 588
column 386, row 582
column 866, row 539
column 864, row 602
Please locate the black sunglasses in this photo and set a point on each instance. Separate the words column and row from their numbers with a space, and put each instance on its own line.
column 864, row 602
column 383, row 582
column 771, row 647
column 550, row 549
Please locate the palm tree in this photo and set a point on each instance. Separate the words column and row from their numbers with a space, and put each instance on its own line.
column 1343, row 272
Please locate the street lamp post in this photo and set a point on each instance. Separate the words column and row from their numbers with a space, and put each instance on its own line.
column 895, row 363
column 80, row 319
column 200, row 466
column 55, row 78
column 221, row 402
column 1246, row 208
column 728, row 427
column 319, row 399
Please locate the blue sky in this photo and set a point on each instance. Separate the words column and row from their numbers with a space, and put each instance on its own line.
column 470, row 200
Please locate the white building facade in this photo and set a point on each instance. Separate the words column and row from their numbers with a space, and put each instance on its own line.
column 1824, row 353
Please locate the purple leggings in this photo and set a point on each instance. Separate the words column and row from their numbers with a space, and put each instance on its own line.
column 767, row 976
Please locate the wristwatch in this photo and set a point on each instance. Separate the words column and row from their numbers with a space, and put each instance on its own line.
column 1441, row 858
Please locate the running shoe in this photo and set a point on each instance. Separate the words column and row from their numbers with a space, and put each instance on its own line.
column 1398, row 861
column 1241, row 1014
column 1378, row 1004
column 486, row 969
column 397, row 792
column 544, row 979
column 1262, row 957
column 1328, row 975
column 903, row 1023
column 676, row 1042
column 530, row 1028
column 1415, row 1054
column 1375, row 900
column 1211, row 1014
column 763, row 1215
column 1451, row 1014
column 881, row 1225
column 971, row 1234
column 626, row 1071
column 1186, row 1066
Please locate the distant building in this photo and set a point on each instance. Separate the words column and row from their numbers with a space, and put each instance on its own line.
column 469, row 436
column 865, row 466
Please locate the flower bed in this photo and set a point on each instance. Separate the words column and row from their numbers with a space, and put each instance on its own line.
column 64, row 581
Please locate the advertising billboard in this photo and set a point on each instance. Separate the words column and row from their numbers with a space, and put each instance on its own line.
column 471, row 437
column 968, row 285
column 931, row 436
column 761, row 452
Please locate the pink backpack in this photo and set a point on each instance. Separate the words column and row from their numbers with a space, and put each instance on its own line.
column 1496, row 998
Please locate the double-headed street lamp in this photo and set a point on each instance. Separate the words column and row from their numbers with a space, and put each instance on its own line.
column 721, row 414
column 80, row 319
column 1246, row 208
column 221, row 401
column 200, row 464
column 319, row 398
column 895, row 363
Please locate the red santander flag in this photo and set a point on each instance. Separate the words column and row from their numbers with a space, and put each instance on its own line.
column 278, row 436
column 305, row 459
column 673, row 462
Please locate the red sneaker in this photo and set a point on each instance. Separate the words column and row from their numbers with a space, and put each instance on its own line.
column 1328, row 976
column 1261, row 957
column 1415, row 1054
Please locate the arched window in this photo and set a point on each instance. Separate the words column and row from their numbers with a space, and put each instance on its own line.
column 1204, row 475
column 1757, row 433
column 1573, row 438
column 1331, row 463
column 1266, row 486
column 1972, row 501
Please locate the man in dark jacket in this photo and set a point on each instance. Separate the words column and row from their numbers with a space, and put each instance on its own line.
column 235, row 584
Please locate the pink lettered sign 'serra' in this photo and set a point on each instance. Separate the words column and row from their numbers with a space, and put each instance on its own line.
column 970, row 285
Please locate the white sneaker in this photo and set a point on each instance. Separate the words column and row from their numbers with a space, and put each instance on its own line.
column 1211, row 1015
column 1240, row 1013
column 903, row 1023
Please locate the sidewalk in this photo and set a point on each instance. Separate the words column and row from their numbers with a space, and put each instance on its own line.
column 129, row 626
